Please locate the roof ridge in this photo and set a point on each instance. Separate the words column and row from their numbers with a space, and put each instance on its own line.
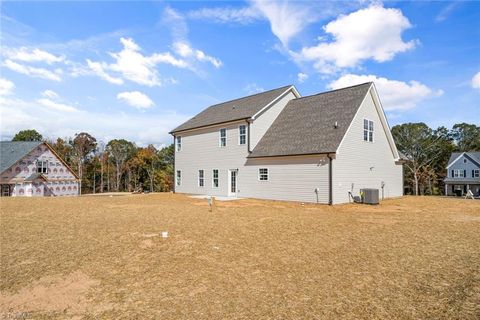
column 252, row 95
column 334, row 90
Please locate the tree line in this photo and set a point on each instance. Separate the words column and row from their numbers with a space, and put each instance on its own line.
column 118, row 165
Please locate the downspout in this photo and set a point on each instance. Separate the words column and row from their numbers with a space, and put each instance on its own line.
column 330, row 182
column 248, row 136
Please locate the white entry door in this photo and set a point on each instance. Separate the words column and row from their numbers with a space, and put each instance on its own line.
column 232, row 186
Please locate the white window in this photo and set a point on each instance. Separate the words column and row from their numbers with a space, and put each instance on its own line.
column 215, row 178
column 263, row 174
column 223, row 137
column 201, row 181
column 367, row 130
column 179, row 178
column 42, row 166
column 242, row 134
column 475, row 173
column 458, row 173
column 179, row 143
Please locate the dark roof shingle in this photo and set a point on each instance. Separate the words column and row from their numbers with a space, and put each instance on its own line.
column 237, row 109
column 307, row 125
column 12, row 151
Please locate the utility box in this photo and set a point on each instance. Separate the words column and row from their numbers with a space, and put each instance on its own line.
column 370, row 196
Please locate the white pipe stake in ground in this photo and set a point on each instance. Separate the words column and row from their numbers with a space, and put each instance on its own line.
column 164, row 234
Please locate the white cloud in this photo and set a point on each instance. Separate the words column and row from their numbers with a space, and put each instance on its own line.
column 252, row 88
column 136, row 99
column 99, row 69
column 6, row 87
column 371, row 33
column 476, row 81
column 301, row 77
column 33, row 71
column 395, row 95
column 186, row 51
column 56, row 105
column 446, row 11
column 35, row 55
column 17, row 114
column 227, row 15
column 50, row 94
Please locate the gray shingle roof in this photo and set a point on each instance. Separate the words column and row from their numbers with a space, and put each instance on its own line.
column 307, row 125
column 12, row 151
column 474, row 155
column 237, row 109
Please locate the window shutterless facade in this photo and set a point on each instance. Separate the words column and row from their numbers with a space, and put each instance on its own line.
column 215, row 178
column 223, row 137
column 367, row 130
column 242, row 134
column 263, row 174
column 42, row 166
column 201, row 180
column 179, row 143
column 179, row 178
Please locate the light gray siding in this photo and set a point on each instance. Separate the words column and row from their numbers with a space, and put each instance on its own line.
column 365, row 164
column 201, row 151
column 265, row 120
column 467, row 167
column 289, row 178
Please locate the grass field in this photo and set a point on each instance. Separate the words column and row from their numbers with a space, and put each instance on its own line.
column 104, row 257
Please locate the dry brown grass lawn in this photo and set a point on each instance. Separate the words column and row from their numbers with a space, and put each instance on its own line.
column 104, row 257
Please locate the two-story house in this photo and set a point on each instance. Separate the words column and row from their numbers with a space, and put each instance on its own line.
column 281, row 146
column 463, row 173
column 33, row 169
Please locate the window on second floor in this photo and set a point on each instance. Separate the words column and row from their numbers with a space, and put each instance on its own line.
column 367, row 130
column 459, row 173
column 179, row 143
column 42, row 166
column 475, row 173
column 223, row 137
column 242, row 134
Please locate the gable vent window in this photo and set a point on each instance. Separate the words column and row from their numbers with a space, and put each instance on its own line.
column 179, row 144
column 223, row 137
column 242, row 134
column 263, row 174
column 42, row 166
column 367, row 130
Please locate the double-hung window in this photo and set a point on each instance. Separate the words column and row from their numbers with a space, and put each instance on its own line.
column 179, row 178
column 223, row 137
column 242, row 134
column 179, row 143
column 215, row 178
column 457, row 173
column 367, row 130
column 475, row 173
column 201, row 181
column 42, row 166
column 263, row 174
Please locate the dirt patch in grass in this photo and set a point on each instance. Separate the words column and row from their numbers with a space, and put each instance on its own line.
column 408, row 258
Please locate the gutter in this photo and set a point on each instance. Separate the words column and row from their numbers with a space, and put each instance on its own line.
column 248, row 135
column 330, row 179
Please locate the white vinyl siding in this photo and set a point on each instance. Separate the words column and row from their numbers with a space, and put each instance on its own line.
column 215, row 183
column 365, row 165
column 223, row 137
column 263, row 174
column 179, row 143
column 242, row 134
column 367, row 130
column 201, row 178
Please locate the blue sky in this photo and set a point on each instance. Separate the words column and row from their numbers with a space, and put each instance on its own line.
column 136, row 70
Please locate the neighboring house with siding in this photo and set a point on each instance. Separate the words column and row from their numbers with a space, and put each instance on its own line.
column 463, row 173
column 33, row 169
column 281, row 146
